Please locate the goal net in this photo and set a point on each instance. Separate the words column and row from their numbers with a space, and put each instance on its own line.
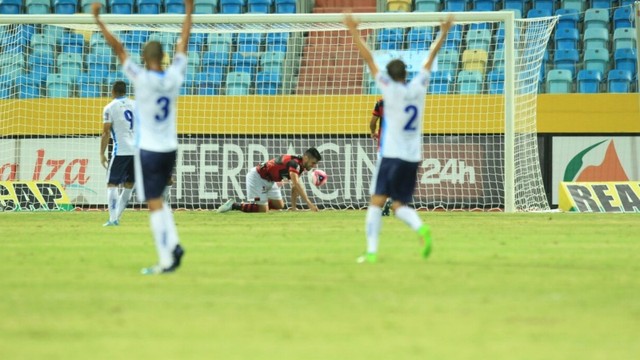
column 260, row 86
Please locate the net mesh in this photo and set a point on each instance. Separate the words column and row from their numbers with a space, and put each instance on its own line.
column 254, row 91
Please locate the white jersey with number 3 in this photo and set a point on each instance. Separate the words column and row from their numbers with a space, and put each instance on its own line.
column 156, row 96
column 120, row 114
column 403, row 115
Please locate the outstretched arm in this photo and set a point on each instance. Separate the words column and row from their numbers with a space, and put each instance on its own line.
column 352, row 26
column 115, row 44
column 181, row 46
column 435, row 47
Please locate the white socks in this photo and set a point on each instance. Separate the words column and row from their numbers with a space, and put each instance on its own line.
column 409, row 216
column 373, row 223
column 165, row 235
column 112, row 203
column 123, row 201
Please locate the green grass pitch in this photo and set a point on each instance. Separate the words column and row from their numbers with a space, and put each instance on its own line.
column 286, row 286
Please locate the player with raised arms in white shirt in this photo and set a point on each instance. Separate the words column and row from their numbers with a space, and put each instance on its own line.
column 401, row 147
column 156, row 92
column 117, row 119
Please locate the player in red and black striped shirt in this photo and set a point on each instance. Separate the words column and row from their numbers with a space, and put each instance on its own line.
column 376, row 131
column 263, row 183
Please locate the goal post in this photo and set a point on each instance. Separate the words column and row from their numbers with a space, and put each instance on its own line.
column 258, row 86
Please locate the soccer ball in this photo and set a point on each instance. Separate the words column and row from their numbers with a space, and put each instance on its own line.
column 319, row 177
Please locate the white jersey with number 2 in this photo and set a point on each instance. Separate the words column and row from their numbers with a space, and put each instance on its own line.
column 119, row 113
column 156, row 96
column 403, row 113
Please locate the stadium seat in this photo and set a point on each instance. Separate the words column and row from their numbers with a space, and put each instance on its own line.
column 11, row 7
column 601, row 4
column 455, row 5
column 390, row 39
column 98, row 65
column 567, row 59
column 205, row 6
column 259, row 6
column 277, row 42
column 623, row 18
column 69, row 64
column 628, row 3
column 214, row 60
column 41, row 44
column 483, row 5
column 518, row 5
column 40, row 65
column 596, row 60
column 624, row 38
column 85, row 6
column 6, row 86
column 65, row 6
column 625, row 59
column 38, row 7
column 268, row 83
column 538, row 13
column 286, row 6
column 469, row 82
column 89, row 86
column 231, row 6
column 596, row 19
column 589, row 81
column 498, row 38
column 59, row 86
column 72, row 43
column 249, row 43
column 399, row 5
column 207, row 83
column 29, row 86
column 546, row 5
column 619, row 81
column 475, row 60
column 271, row 62
column 12, row 63
column 197, row 42
column 427, row 5
column 596, row 38
column 580, row 5
column 238, row 83
column 193, row 62
column 478, row 40
column 124, row 7
column 448, row 60
column 149, row 7
column 559, row 82
column 567, row 19
column 454, row 38
column 420, row 38
column 567, row 38
column 219, row 42
column 441, row 82
column 498, row 60
column 242, row 63
column 174, row 6
column 495, row 80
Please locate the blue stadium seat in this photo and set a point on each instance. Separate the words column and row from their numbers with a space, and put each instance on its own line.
column 390, row 39
column 207, row 83
column 602, row 4
column 40, row 65
column 174, row 6
column 38, row 7
column 238, row 83
column 596, row 38
column 29, row 86
column 469, row 82
column 268, row 83
column 441, row 82
column 559, row 82
column 69, row 64
column 625, row 59
column 624, row 38
column 623, row 18
column 98, row 66
column 197, row 41
column 146, row 7
column 6, row 86
column 41, row 44
column 277, row 42
column 205, row 6
column 193, row 62
column 427, row 5
column 11, row 7
column 538, row 13
column 518, row 5
column 580, row 5
column 478, row 40
column 619, row 81
column 567, row 38
column 85, row 6
column 12, row 63
column 231, row 6
column 215, row 61
column 124, row 7
column 285, row 6
column 498, row 60
column 59, row 86
column 628, row 3
column 483, row 5
column 245, row 64
column 597, row 60
column 220, row 42
column 420, row 38
column 259, row 6
column 567, row 59
column 455, row 5
column 596, row 19
column 448, row 59
column 547, row 5
column 589, row 81
column 568, row 19
column 249, row 42
column 89, row 86
column 495, row 80
column 72, row 43
column 498, row 39
column 65, row 6
column 271, row 62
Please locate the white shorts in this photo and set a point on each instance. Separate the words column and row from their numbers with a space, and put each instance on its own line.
column 259, row 188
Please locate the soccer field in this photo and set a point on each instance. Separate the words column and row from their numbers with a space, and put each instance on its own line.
column 286, row 286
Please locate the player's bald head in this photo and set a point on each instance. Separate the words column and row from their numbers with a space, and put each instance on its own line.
column 152, row 53
column 397, row 70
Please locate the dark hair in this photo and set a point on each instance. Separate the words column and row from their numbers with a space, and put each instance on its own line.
column 313, row 152
column 119, row 87
column 153, row 51
column 397, row 70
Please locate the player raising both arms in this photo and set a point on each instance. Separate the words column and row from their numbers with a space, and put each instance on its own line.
column 262, row 184
column 401, row 150
column 156, row 93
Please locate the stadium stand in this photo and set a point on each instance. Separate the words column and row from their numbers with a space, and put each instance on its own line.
column 59, row 86
column 589, row 81
column 596, row 38
column 268, row 83
column 205, row 6
column 559, row 82
column 259, row 6
column 441, row 82
column 624, row 38
column 38, row 7
column 469, row 82
column 619, row 81
column 286, row 6
column 238, row 83
column 496, row 82
column 596, row 19
column 231, row 6
column 89, row 85
column 174, row 6
column 11, row 7
column 622, row 18
column 420, row 38
column 123, row 7
column 625, row 59
column 65, row 6
column 427, row 5
column 567, row 38
column 149, row 7
column 596, row 60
